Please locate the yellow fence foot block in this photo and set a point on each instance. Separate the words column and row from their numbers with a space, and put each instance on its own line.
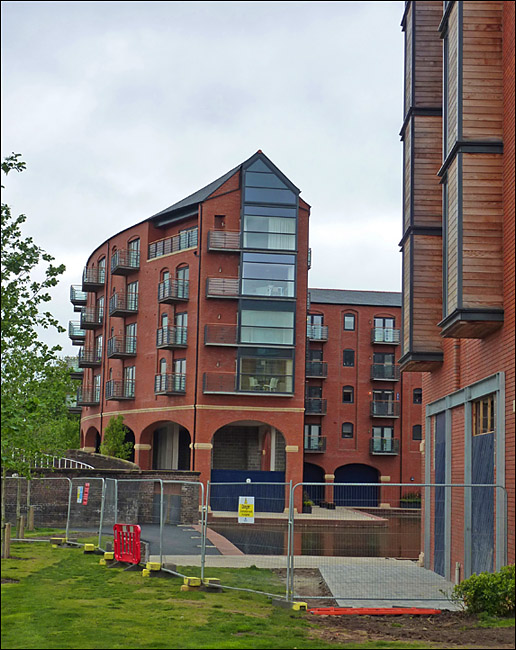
column 192, row 582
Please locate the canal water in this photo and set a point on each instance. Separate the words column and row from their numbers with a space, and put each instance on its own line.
column 396, row 537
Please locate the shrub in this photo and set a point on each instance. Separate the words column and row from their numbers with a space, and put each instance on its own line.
column 489, row 593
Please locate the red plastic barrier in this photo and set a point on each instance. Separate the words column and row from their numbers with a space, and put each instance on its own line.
column 373, row 611
column 127, row 543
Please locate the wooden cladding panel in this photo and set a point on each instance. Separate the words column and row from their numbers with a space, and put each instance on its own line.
column 452, row 238
column 452, row 81
column 427, row 161
column 407, row 295
column 482, row 71
column 408, row 60
column 407, row 178
column 427, row 293
column 482, row 271
column 428, row 54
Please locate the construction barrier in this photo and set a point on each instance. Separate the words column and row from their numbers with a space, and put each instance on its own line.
column 126, row 543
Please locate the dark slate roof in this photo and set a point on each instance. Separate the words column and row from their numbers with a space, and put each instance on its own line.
column 351, row 297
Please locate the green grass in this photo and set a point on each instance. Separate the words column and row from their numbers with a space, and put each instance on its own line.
column 65, row 599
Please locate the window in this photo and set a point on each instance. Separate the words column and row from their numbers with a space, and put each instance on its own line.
column 182, row 276
column 312, row 437
column 417, row 432
column 383, row 322
column 132, row 296
column 386, row 358
column 347, row 429
column 348, row 394
column 181, row 323
column 96, row 388
column 129, row 375
column 383, row 439
column 313, row 391
column 417, row 396
column 349, row 322
column 265, row 323
column 266, row 274
column 348, row 358
column 130, row 338
column 483, row 415
column 265, row 370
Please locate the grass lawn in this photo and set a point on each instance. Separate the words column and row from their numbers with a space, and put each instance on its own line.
column 65, row 599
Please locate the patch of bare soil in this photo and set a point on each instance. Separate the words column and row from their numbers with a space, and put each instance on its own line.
column 444, row 630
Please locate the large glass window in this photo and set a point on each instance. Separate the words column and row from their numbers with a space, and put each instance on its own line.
column 270, row 228
column 261, row 323
column 260, row 371
column 265, row 274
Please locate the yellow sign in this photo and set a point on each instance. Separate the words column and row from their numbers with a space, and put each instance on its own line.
column 246, row 510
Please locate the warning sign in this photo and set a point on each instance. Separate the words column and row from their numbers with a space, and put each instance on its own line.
column 80, row 492
column 246, row 510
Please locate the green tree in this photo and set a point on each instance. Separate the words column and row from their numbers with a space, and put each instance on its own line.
column 114, row 439
column 35, row 383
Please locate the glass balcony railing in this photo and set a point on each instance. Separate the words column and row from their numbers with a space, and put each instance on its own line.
column 386, row 335
column 76, row 333
column 317, row 369
column 385, row 372
column 315, row 444
column 385, row 409
column 78, row 297
column 317, row 332
column 384, row 446
column 170, row 384
column 91, row 318
column 315, row 406
column 230, row 382
column 89, row 358
column 168, row 338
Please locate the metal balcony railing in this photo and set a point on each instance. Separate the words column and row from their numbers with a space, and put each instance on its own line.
column 124, row 262
column 91, row 318
column 122, row 304
column 78, row 297
column 315, row 406
column 89, row 358
column 76, row 334
column 315, row 444
column 385, row 409
column 88, row 396
column 120, row 389
column 386, row 335
column 185, row 239
column 385, row 372
column 220, row 334
column 171, row 337
column 317, row 369
column 93, row 278
column 317, row 332
column 223, row 240
column 170, row 384
column 120, row 347
column 222, row 287
column 384, row 446
column 171, row 291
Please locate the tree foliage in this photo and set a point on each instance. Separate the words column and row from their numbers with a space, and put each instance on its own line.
column 114, row 439
column 35, row 382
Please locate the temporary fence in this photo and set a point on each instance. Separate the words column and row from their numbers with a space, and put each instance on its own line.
column 367, row 544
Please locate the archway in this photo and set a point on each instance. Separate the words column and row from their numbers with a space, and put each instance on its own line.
column 170, row 446
column 129, row 437
column 365, row 496
column 313, row 474
column 92, row 440
column 252, row 454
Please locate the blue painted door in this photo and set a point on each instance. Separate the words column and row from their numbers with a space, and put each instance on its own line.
column 267, row 498
column 313, row 474
column 482, row 504
column 365, row 496
column 439, row 497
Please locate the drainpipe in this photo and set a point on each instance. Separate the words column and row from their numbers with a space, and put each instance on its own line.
column 197, row 343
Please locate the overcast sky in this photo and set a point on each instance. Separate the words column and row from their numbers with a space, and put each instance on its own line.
column 120, row 109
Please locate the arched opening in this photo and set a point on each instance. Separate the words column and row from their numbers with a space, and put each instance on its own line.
column 251, row 453
column 129, row 437
column 170, row 446
column 92, row 440
column 365, row 496
column 313, row 474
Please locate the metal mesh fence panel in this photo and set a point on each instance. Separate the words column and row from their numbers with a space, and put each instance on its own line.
column 48, row 498
column 86, row 505
column 384, row 545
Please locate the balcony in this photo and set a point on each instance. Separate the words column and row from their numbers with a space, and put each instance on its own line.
column 231, row 383
column 315, row 406
column 72, row 406
column 169, row 338
column 78, row 298
column 91, row 318
column 386, row 335
column 88, row 396
column 317, row 332
column 385, row 372
column 223, row 240
column 315, row 444
column 122, row 304
column 93, row 279
column 182, row 241
column 120, row 389
column 76, row 334
column 75, row 371
column 384, row 447
column 170, row 384
column 172, row 291
column 121, row 347
column 124, row 262
column 222, row 288
column 385, row 409
column 316, row 369
column 220, row 334
column 89, row 358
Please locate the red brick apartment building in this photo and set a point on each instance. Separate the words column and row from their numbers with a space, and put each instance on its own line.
column 458, row 272
column 193, row 326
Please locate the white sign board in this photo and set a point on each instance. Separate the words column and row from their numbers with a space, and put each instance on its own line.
column 246, row 510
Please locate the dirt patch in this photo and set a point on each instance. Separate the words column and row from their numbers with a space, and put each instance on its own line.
column 444, row 630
